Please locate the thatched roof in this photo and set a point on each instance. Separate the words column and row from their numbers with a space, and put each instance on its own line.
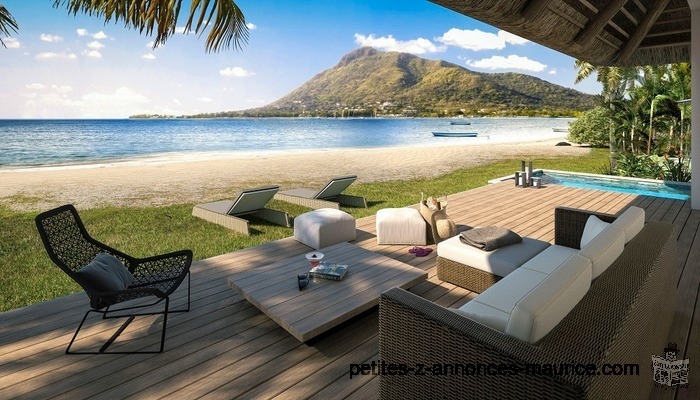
column 602, row 32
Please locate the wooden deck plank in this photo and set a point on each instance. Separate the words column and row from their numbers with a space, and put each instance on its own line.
column 225, row 348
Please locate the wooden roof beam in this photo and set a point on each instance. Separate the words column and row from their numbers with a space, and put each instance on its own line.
column 586, row 35
column 593, row 27
column 650, row 17
column 533, row 9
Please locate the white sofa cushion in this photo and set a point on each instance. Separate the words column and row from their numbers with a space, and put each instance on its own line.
column 593, row 227
column 485, row 314
column 605, row 248
column 501, row 261
column 543, row 307
column 550, row 259
column 493, row 307
column 631, row 221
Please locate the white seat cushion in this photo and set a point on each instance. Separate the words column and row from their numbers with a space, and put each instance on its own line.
column 593, row 227
column 501, row 261
column 494, row 306
column 605, row 248
column 631, row 221
column 543, row 307
column 550, row 259
column 401, row 226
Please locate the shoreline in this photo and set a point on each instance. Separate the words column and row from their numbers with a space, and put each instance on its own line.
column 192, row 156
column 195, row 179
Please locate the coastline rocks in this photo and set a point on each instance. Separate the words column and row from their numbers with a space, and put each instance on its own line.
column 563, row 144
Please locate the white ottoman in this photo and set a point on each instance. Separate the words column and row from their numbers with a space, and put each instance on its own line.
column 324, row 227
column 401, row 226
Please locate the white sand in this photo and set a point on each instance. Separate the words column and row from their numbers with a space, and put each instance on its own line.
column 184, row 180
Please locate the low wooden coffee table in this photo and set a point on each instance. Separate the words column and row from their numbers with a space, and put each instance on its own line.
column 323, row 304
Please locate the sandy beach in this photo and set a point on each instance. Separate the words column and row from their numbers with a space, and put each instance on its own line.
column 187, row 180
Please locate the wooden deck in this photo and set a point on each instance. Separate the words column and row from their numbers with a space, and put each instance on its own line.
column 225, row 348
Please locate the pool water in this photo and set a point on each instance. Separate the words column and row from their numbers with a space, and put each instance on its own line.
column 640, row 187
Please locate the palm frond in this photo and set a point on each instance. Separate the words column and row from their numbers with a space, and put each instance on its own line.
column 223, row 18
column 584, row 69
column 8, row 24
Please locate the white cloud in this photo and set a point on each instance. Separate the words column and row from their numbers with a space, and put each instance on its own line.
column 92, row 53
column 472, row 40
column 552, row 71
column 117, row 103
column 148, row 56
column 35, row 86
column 152, row 43
column 95, row 45
column 11, row 43
column 51, row 55
column 46, row 37
column 81, row 32
column 62, row 88
column 251, row 26
column 236, row 72
column 177, row 101
column 511, row 39
column 181, row 29
column 99, row 35
column 476, row 40
column 205, row 99
column 54, row 87
column 510, row 62
column 389, row 43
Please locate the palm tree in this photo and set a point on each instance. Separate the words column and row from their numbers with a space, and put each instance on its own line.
column 7, row 23
column 616, row 82
column 223, row 17
column 679, row 89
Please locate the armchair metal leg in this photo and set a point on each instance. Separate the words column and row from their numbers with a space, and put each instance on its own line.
column 130, row 318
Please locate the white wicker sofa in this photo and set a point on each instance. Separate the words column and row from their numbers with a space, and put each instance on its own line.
column 624, row 317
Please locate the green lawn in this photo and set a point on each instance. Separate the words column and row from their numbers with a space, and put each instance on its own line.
column 27, row 276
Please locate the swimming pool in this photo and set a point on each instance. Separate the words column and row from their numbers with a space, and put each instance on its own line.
column 646, row 187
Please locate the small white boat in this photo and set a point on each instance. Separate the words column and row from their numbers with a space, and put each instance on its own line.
column 455, row 134
column 560, row 129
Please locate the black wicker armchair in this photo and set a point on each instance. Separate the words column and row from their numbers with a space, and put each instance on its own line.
column 71, row 248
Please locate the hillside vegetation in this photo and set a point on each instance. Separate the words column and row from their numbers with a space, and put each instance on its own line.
column 368, row 82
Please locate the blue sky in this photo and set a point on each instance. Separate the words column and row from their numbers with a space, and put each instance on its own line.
column 60, row 66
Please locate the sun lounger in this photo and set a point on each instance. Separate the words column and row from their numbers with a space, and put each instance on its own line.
column 330, row 196
column 252, row 202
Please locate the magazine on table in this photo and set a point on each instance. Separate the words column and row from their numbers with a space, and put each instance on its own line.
column 331, row 271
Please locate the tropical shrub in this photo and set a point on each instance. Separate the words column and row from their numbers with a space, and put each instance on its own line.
column 676, row 170
column 639, row 166
column 592, row 128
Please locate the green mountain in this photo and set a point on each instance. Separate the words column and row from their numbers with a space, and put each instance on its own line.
column 370, row 82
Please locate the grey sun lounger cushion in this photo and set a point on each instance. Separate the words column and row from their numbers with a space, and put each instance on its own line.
column 333, row 188
column 248, row 201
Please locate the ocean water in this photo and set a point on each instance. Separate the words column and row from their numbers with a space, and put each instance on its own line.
column 29, row 143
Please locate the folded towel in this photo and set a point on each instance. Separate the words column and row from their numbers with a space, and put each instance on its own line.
column 490, row 237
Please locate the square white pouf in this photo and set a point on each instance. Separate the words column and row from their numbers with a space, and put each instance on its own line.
column 401, row 226
column 324, row 227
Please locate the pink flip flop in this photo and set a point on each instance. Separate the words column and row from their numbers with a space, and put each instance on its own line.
column 423, row 252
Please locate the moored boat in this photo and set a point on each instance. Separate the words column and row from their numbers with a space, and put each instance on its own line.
column 455, row 134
